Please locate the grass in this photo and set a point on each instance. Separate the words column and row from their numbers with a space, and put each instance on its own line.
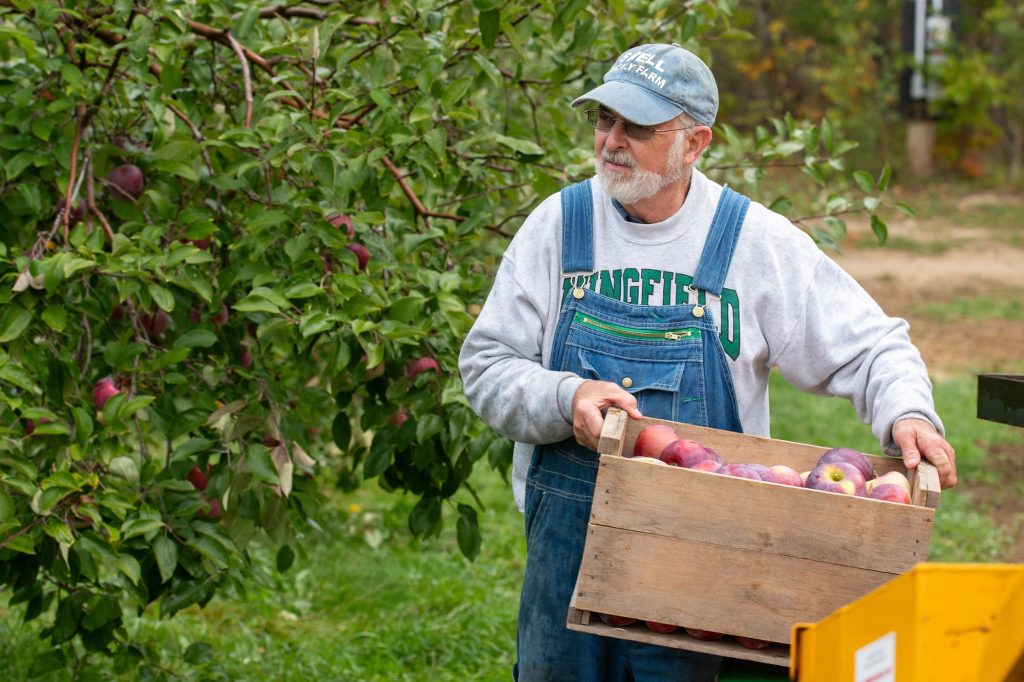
column 364, row 601
column 1004, row 305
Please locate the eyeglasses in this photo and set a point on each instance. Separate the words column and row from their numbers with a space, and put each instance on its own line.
column 604, row 121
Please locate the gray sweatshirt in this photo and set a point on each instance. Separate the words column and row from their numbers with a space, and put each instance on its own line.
column 785, row 304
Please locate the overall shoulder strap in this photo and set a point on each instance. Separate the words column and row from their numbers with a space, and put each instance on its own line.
column 721, row 242
column 577, row 229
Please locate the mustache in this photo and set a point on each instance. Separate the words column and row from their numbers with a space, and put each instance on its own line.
column 620, row 157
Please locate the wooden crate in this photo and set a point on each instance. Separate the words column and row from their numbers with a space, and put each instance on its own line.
column 733, row 555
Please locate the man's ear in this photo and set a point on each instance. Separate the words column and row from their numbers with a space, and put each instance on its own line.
column 696, row 142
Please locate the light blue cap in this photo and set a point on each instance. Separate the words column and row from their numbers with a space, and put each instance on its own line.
column 651, row 84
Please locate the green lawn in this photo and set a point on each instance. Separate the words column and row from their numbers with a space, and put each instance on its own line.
column 366, row 602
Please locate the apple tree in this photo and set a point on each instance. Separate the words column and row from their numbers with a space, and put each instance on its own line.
column 240, row 247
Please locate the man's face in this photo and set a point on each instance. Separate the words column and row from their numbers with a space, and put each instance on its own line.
column 633, row 170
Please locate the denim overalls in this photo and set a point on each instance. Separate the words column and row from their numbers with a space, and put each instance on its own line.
column 671, row 359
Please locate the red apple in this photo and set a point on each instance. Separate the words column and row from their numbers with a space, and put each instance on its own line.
column 197, row 478
column 221, row 317
column 103, row 391
column 709, row 465
column 126, row 182
column 155, row 324
column 836, row 477
column 780, row 473
column 759, row 468
column 339, row 220
column 245, row 357
column 213, row 510
column 706, row 635
column 685, row 453
column 751, row 643
column 361, row 253
column 617, row 621
column 201, row 243
column 890, row 492
column 739, row 470
column 857, row 459
column 399, row 418
column 653, row 439
column 420, row 365
column 117, row 313
column 894, row 477
column 663, row 628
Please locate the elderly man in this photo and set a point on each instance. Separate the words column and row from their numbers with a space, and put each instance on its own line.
column 655, row 289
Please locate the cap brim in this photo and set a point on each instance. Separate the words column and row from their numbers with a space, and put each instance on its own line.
column 631, row 102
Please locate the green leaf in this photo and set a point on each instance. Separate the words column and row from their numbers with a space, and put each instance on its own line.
column 906, row 209
column 490, row 21
column 162, row 297
column 193, row 338
column 406, row 309
column 425, row 517
column 315, row 323
column 134, row 527
column 864, row 180
column 880, row 229
column 55, row 317
column 884, row 177
column 83, row 424
column 522, row 146
column 166, row 552
column 303, row 290
column 427, row 426
column 468, row 532
column 126, row 468
column 6, row 506
column 15, row 321
column 191, row 447
column 379, row 459
column 285, row 558
column 128, row 565
column 211, row 550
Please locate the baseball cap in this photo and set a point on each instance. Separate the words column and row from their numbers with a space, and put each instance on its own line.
column 654, row 83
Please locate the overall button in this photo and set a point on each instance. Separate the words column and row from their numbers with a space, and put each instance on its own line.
column 627, row 382
column 577, row 293
column 698, row 311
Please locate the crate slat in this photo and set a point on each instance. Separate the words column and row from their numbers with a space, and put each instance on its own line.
column 711, row 587
column 758, row 516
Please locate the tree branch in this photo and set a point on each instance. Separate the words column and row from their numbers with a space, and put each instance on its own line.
column 246, row 80
column 415, row 200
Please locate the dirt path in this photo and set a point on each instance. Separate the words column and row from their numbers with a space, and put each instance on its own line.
column 940, row 264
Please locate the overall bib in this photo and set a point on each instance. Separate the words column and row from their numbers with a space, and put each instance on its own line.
column 671, row 359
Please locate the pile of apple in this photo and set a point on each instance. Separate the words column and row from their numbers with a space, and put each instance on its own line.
column 839, row 470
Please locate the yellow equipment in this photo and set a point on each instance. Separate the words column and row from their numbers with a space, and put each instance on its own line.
column 936, row 623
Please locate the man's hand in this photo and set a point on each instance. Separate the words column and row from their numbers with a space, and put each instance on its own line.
column 588, row 405
column 917, row 438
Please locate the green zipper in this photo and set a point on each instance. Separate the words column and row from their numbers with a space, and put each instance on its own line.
column 628, row 332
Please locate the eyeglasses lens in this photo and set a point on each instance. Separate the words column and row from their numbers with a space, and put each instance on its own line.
column 604, row 122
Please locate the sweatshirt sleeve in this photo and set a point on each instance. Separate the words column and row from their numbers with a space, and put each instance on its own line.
column 502, row 369
column 843, row 344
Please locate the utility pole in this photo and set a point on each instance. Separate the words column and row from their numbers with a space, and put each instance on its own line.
column 928, row 34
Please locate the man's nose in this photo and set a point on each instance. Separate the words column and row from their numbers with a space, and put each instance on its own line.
column 616, row 137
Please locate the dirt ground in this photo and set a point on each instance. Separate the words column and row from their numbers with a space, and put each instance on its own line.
column 936, row 261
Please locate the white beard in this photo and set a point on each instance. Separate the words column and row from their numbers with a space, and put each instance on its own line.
column 641, row 184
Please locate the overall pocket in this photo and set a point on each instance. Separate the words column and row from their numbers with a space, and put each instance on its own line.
column 661, row 364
